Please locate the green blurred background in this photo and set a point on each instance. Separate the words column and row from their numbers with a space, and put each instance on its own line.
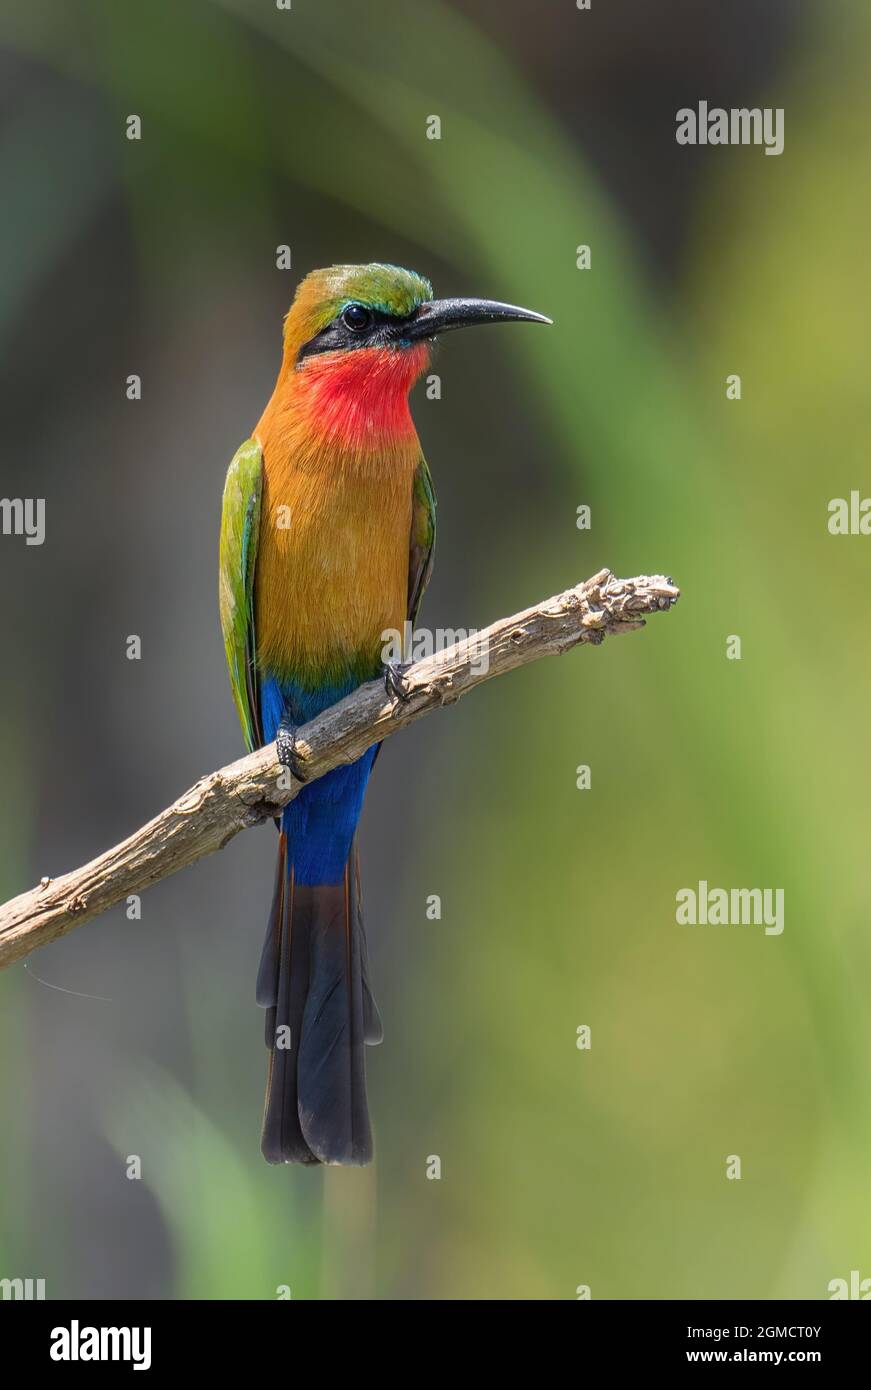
column 560, row 1167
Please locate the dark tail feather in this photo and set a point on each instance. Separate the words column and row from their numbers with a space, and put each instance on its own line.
column 373, row 1028
column 313, row 981
column 283, row 997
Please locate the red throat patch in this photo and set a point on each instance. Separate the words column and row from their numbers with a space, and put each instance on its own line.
column 360, row 397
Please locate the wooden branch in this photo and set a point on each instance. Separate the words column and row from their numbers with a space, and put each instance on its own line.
column 256, row 787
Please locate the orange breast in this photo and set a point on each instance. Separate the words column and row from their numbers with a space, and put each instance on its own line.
column 339, row 454
column 332, row 560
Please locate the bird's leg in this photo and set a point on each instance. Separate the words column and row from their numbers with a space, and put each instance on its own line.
column 285, row 746
column 394, row 680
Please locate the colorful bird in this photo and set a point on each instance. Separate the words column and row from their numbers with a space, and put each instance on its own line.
column 327, row 537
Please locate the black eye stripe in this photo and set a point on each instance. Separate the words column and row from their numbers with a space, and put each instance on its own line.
column 340, row 336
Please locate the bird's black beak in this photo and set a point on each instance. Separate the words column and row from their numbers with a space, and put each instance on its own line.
column 441, row 315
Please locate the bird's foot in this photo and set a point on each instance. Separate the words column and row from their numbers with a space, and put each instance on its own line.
column 287, row 750
column 394, row 680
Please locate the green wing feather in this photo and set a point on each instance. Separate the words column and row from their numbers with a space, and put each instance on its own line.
column 240, row 528
column 421, row 544
column 423, row 536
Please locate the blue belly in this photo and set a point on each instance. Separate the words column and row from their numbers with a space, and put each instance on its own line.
column 321, row 821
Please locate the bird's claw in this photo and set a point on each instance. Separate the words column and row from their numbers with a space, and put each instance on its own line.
column 286, row 748
column 394, row 680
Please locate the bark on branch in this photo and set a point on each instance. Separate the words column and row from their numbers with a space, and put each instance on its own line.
column 255, row 787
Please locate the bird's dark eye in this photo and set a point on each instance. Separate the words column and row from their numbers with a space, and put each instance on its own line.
column 356, row 318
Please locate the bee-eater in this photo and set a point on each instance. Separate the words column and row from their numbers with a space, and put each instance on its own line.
column 327, row 537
